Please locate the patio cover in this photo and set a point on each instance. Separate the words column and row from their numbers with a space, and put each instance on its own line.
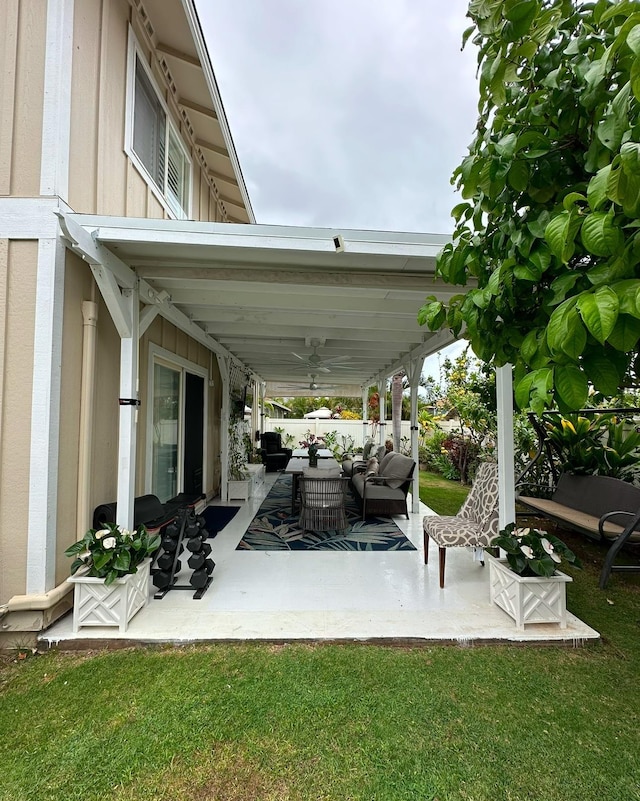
column 257, row 294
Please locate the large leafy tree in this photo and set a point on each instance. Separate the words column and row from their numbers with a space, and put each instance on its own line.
column 547, row 237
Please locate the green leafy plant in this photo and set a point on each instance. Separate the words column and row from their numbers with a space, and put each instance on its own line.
column 548, row 227
column 598, row 445
column 532, row 552
column 112, row 552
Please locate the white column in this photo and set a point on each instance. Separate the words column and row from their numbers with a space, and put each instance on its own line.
column 365, row 414
column 506, row 468
column 413, row 371
column 224, row 426
column 128, row 422
column 382, row 395
column 45, row 417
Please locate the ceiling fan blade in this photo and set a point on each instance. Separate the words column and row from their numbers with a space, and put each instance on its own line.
column 302, row 358
column 336, row 360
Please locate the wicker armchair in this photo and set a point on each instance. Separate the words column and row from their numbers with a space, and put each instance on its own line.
column 322, row 504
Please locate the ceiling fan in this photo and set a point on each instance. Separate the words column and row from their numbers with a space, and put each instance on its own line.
column 313, row 386
column 314, row 361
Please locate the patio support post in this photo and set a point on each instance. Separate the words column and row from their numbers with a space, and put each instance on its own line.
column 413, row 370
column 365, row 414
column 506, row 469
column 128, row 401
column 223, row 366
column 382, row 395
column 263, row 390
column 255, row 411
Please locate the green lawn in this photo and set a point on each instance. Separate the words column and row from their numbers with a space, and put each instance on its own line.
column 444, row 497
column 339, row 722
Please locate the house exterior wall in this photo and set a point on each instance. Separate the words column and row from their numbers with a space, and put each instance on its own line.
column 18, row 267
column 21, row 81
column 101, row 179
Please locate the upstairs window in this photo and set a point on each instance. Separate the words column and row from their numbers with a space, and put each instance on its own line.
column 154, row 144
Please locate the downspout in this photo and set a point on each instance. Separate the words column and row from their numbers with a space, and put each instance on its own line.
column 87, row 386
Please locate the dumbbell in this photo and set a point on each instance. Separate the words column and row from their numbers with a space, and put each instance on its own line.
column 169, row 543
column 192, row 529
column 194, row 544
column 165, row 562
column 201, row 576
column 172, row 530
column 196, row 560
column 162, row 579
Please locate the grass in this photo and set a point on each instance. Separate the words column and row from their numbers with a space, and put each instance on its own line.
column 443, row 496
column 355, row 721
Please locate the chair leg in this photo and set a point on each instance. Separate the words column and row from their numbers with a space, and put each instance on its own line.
column 443, row 555
column 426, row 548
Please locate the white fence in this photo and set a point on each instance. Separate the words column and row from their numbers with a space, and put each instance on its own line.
column 343, row 428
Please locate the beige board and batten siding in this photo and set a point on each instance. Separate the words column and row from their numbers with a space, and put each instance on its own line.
column 103, row 180
column 18, row 268
column 22, row 38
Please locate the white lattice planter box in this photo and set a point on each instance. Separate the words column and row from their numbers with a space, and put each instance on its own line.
column 238, row 490
column 528, row 599
column 95, row 604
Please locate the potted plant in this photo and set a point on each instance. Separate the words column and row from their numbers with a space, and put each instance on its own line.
column 527, row 584
column 111, row 575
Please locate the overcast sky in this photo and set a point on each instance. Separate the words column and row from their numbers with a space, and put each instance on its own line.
column 346, row 113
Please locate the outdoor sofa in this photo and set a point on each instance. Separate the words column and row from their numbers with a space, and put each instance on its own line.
column 384, row 492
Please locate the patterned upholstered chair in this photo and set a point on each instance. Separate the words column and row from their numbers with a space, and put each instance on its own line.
column 475, row 525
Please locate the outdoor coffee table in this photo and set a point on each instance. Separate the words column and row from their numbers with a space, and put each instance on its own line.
column 296, row 467
column 303, row 453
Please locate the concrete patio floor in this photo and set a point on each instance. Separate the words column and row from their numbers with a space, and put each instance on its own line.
column 327, row 595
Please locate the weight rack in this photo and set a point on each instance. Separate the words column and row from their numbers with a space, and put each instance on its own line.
column 186, row 520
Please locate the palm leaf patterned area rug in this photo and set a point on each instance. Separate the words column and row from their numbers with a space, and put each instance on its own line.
column 274, row 528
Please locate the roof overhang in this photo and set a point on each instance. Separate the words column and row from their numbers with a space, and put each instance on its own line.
column 261, row 293
column 180, row 48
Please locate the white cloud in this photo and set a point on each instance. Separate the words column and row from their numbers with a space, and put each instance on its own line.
column 345, row 112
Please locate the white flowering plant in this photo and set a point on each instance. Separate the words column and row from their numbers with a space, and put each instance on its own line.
column 531, row 552
column 112, row 552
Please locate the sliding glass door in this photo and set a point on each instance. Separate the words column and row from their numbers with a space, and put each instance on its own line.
column 166, row 446
column 177, row 430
